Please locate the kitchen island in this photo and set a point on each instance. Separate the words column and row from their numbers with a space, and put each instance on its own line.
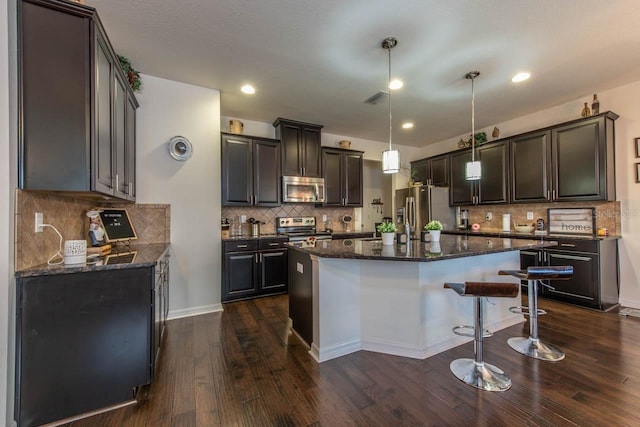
column 350, row 295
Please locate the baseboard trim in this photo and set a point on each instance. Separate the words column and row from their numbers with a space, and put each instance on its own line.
column 194, row 311
column 334, row 351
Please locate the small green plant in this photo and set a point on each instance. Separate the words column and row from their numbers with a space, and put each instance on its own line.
column 433, row 225
column 387, row 227
column 133, row 76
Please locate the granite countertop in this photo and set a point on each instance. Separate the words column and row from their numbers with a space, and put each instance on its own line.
column 120, row 258
column 449, row 247
column 516, row 235
column 351, row 234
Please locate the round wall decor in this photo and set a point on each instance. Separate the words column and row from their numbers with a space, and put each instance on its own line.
column 180, row 148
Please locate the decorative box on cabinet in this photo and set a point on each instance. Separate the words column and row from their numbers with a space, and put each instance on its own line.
column 492, row 187
column 250, row 171
column 300, row 147
column 254, row 267
column 77, row 131
column 342, row 171
column 572, row 161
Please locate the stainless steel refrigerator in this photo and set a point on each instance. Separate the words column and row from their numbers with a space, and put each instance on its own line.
column 421, row 204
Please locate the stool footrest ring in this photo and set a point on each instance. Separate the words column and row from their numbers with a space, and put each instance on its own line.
column 524, row 310
column 457, row 330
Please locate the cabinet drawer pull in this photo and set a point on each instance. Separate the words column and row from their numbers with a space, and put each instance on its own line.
column 568, row 245
column 274, row 244
column 241, row 246
column 577, row 258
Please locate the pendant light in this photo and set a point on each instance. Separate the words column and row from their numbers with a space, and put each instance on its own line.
column 473, row 170
column 390, row 157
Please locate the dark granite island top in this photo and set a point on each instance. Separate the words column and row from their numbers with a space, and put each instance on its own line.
column 449, row 247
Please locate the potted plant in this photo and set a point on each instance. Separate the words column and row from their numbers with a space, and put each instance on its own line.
column 388, row 232
column 434, row 228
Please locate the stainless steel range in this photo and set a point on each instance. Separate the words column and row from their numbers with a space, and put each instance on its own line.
column 300, row 228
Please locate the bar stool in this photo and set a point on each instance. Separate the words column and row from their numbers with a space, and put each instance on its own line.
column 475, row 372
column 532, row 346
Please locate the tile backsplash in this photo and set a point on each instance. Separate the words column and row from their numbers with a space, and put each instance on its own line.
column 151, row 222
column 607, row 214
column 269, row 215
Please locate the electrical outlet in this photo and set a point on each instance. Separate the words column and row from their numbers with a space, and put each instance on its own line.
column 529, row 215
column 324, row 218
column 39, row 222
column 488, row 216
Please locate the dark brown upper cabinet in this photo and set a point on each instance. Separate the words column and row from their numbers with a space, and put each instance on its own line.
column 432, row 171
column 76, row 109
column 250, row 171
column 492, row 187
column 342, row 171
column 573, row 161
column 300, row 147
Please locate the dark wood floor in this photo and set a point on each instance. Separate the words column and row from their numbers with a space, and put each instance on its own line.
column 242, row 368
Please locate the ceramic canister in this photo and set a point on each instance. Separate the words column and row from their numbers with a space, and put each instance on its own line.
column 236, row 126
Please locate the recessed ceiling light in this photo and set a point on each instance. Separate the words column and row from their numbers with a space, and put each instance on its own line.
column 248, row 89
column 395, row 84
column 407, row 125
column 520, row 77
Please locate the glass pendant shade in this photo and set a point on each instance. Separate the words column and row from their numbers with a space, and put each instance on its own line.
column 390, row 161
column 473, row 171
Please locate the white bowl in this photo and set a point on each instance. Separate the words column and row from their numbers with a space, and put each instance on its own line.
column 523, row 228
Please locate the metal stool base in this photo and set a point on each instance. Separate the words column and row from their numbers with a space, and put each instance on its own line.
column 536, row 349
column 480, row 375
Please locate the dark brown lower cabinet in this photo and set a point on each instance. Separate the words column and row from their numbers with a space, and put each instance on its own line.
column 252, row 268
column 595, row 271
column 84, row 341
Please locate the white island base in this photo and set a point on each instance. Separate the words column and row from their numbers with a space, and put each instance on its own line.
column 401, row 307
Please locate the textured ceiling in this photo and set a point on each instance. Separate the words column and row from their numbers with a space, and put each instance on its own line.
column 317, row 61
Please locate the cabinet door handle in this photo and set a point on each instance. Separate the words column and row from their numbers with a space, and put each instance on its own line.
column 130, row 188
column 548, row 194
column 274, row 244
column 553, row 194
column 578, row 258
column 257, row 258
column 568, row 245
column 241, row 246
column 117, row 182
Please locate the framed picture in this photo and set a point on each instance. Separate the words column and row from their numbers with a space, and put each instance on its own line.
column 637, row 148
column 571, row 221
column 637, row 173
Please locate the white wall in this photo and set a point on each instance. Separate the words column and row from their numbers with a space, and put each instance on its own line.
column 8, row 160
column 623, row 101
column 192, row 188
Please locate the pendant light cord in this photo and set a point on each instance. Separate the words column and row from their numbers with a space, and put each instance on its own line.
column 473, row 122
column 389, row 90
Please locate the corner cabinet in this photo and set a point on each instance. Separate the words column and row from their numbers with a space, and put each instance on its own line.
column 77, row 120
column 342, row 171
column 569, row 162
column 492, row 188
column 300, row 147
column 250, row 171
column 254, row 267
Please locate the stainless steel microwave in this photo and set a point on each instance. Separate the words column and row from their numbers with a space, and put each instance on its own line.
column 301, row 189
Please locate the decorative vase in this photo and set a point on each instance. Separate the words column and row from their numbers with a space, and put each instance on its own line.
column 595, row 105
column 435, row 235
column 586, row 112
column 388, row 238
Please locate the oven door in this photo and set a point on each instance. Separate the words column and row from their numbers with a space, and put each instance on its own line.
column 302, row 190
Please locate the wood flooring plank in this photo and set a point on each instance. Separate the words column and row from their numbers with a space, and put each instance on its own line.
column 243, row 367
